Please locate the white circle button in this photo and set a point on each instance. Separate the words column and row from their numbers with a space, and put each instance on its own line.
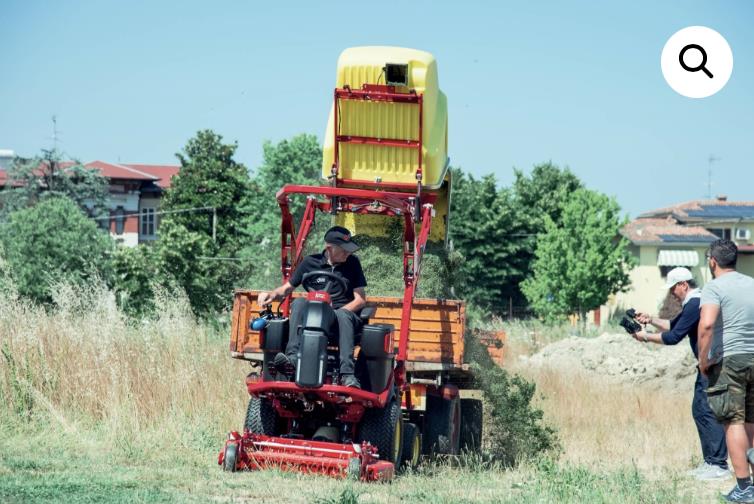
column 696, row 62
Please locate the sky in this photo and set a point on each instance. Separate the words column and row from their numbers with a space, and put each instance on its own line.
column 573, row 82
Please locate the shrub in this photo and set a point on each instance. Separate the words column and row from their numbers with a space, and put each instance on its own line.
column 51, row 242
column 515, row 428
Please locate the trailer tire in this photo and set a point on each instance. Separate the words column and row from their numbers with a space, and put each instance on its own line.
column 442, row 426
column 471, row 424
column 412, row 446
column 383, row 428
column 261, row 417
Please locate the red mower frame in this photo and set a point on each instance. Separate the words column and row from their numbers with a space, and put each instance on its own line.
column 401, row 200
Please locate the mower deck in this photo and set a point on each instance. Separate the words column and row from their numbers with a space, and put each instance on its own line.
column 257, row 452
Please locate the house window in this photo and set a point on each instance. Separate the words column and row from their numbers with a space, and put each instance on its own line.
column 724, row 233
column 120, row 221
column 147, row 222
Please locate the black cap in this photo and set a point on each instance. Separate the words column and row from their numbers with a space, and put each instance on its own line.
column 341, row 237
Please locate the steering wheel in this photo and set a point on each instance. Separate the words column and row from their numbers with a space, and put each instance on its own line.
column 327, row 281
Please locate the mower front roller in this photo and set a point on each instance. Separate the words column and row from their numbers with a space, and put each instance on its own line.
column 257, row 452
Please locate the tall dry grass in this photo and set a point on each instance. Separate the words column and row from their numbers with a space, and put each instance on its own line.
column 608, row 425
column 83, row 365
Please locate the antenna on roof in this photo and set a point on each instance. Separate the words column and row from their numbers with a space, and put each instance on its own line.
column 54, row 132
column 712, row 158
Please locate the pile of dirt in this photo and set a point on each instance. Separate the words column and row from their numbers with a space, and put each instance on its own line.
column 621, row 359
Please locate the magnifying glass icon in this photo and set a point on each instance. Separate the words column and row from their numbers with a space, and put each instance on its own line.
column 701, row 65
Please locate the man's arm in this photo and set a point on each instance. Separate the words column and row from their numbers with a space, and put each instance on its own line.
column 645, row 337
column 277, row 294
column 661, row 324
column 682, row 324
column 707, row 322
column 359, row 300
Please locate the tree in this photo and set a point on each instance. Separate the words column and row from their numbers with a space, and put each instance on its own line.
column 184, row 260
column 204, row 226
column 53, row 241
column 32, row 180
column 582, row 260
column 544, row 193
column 135, row 273
column 486, row 227
column 294, row 161
column 210, row 179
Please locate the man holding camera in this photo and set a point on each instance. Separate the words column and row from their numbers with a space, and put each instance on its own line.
column 711, row 435
column 726, row 356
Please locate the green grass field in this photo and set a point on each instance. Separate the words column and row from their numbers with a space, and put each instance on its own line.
column 83, row 467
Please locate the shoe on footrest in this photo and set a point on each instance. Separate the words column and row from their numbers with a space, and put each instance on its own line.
column 349, row 380
column 283, row 364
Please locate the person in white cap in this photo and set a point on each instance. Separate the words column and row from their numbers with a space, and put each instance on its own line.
column 682, row 286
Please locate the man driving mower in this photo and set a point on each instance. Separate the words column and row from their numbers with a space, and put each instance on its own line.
column 337, row 258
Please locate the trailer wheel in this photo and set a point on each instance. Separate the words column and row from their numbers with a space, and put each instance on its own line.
column 412, row 446
column 442, row 426
column 471, row 424
column 230, row 457
column 261, row 417
column 383, row 427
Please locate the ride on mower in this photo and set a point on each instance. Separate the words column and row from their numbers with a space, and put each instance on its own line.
column 415, row 397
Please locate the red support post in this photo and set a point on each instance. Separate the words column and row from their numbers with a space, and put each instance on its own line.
column 413, row 250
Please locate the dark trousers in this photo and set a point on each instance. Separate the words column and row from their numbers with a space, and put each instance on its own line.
column 711, row 433
column 347, row 325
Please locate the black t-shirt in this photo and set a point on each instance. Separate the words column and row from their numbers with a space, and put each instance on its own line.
column 350, row 271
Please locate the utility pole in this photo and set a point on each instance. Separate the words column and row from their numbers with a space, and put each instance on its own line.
column 712, row 159
column 214, row 224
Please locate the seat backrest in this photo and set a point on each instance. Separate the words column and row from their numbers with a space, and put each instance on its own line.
column 368, row 312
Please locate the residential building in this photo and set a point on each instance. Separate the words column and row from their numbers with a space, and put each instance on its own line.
column 679, row 236
column 134, row 198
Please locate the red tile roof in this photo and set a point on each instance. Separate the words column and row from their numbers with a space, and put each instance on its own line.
column 647, row 231
column 119, row 171
column 164, row 172
column 159, row 174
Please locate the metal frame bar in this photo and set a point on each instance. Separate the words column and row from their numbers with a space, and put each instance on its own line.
column 389, row 203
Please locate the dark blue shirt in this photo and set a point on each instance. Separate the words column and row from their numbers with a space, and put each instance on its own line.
column 686, row 323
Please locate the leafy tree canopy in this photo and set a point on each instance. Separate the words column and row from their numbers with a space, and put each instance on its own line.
column 582, row 260
column 50, row 242
column 210, row 178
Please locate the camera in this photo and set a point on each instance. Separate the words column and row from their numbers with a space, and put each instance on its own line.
column 629, row 323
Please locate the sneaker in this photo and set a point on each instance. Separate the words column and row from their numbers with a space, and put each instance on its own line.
column 699, row 468
column 350, row 380
column 738, row 495
column 712, row 472
column 283, row 364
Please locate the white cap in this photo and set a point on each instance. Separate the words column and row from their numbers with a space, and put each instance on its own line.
column 678, row 275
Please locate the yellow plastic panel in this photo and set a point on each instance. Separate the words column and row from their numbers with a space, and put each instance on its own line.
column 364, row 65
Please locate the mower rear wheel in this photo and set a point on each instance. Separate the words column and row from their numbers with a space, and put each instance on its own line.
column 230, row 457
column 261, row 417
column 412, row 446
column 442, row 426
column 383, row 428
